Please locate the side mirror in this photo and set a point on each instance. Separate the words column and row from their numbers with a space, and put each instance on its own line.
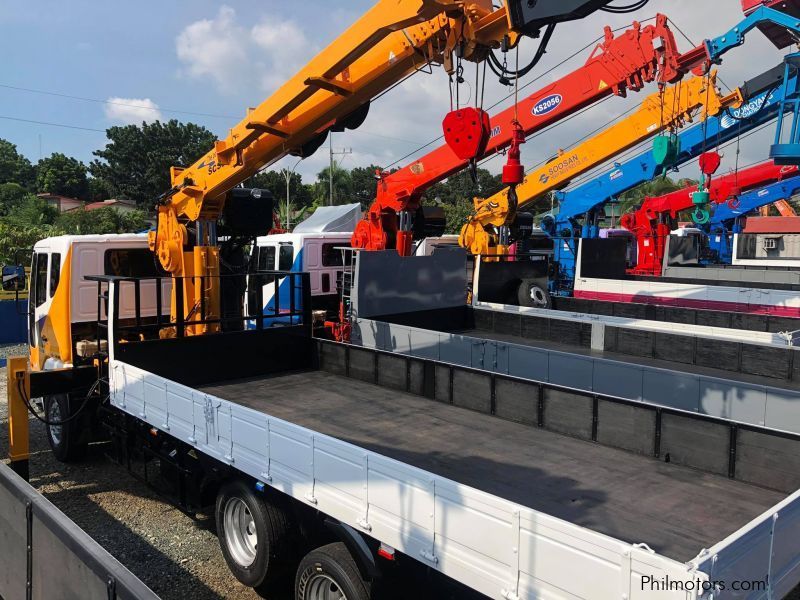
column 14, row 279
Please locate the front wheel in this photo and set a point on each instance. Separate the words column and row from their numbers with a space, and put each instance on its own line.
column 531, row 294
column 330, row 573
column 69, row 439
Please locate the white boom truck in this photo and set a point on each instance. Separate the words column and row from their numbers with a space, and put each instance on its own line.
column 366, row 474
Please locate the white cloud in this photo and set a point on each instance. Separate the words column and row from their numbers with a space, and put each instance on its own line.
column 132, row 110
column 235, row 57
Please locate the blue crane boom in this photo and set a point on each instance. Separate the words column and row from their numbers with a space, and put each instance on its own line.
column 726, row 220
column 581, row 209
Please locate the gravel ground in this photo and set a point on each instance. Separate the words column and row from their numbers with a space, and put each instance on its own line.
column 177, row 556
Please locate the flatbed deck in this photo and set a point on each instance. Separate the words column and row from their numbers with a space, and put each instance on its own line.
column 676, row 510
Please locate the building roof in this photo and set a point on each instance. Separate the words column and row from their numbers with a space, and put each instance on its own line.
column 109, row 203
column 772, row 225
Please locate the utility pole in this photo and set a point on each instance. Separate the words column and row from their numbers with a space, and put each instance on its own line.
column 287, row 173
column 342, row 152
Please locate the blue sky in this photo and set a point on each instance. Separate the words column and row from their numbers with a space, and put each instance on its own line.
column 207, row 57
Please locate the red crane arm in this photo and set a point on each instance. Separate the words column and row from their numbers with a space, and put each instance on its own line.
column 650, row 222
column 618, row 64
column 721, row 190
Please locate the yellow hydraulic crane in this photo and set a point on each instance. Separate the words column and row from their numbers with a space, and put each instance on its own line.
column 485, row 232
column 390, row 42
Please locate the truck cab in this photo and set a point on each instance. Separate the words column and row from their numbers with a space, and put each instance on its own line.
column 318, row 254
column 62, row 316
column 62, row 304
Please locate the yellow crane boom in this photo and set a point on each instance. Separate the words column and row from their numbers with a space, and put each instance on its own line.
column 665, row 110
column 391, row 41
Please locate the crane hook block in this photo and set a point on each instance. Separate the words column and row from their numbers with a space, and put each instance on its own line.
column 709, row 162
column 701, row 216
column 513, row 171
column 466, row 131
column 665, row 149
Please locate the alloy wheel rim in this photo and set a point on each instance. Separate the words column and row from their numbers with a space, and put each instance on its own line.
column 241, row 537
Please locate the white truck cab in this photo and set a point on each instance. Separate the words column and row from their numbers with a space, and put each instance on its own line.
column 313, row 247
column 318, row 254
column 63, row 304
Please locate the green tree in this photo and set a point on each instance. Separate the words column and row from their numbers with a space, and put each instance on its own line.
column 461, row 187
column 363, row 185
column 655, row 187
column 456, row 195
column 101, row 220
column 32, row 212
column 11, row 196
column 14, row 238
column 275, row 182
column 457, row 214
column 14, row 168
column 98, row 189
column 135, row 162
column 63, row 175
column 342, row 187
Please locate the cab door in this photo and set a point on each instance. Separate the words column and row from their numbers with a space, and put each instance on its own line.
column 42, row 287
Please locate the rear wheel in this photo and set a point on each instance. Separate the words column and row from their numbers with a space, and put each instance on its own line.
column 67, row 440
column 330, row 573
column 254, row 534
column 531, row 294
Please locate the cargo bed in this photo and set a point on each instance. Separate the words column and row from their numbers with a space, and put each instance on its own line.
column 510, row 503
column 677, row 511
column 745, row 382
column 508, row 486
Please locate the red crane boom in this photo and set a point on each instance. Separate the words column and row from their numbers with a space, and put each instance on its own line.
column 618, row 64
column 652, row 222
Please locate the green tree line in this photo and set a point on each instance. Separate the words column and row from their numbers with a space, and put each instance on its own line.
column 134, row 165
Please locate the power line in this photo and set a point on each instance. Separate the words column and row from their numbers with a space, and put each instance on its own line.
column 170, row 110
column 51, row 124
column 114, row 103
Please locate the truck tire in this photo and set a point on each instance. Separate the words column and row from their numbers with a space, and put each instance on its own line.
column 531, row 294
column 255, row 535
column 70, row 440
column 330, row 572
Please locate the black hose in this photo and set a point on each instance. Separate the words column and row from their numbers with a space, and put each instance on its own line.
column 627, row 8
column 501, row 71
column 47, row 422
